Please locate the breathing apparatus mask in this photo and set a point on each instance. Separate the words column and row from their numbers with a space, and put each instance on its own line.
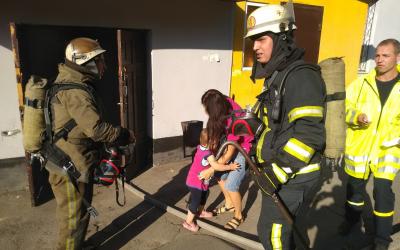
column 110, row 167
column 247, row 122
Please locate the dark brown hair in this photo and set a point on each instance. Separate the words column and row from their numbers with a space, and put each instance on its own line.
column 217, row 108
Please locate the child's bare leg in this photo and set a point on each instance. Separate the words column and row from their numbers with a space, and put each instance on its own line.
column 190, row 217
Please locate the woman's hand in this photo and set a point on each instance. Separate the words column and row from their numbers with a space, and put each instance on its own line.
column 206, row 174
column 234, row 166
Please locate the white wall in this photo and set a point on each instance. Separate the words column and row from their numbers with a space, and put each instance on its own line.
column 183, row 35
column 10, row 146
column 386, row 25
column 180, row 101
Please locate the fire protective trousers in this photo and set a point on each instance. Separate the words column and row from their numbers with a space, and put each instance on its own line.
column 383, row 209
column 273, row 229
column 72, row 216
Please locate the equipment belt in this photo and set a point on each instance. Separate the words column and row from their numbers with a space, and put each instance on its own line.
column 35, row 103
column 336, row 96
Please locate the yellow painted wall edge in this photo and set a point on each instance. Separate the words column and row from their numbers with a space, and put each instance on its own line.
column 343, row 25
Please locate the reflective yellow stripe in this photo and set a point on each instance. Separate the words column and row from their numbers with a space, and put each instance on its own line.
column 383, row 214
column 358, row 204
column 299, row 150
column 70, row 244
column 71, row 204
column 313, row 111
column 260, row 145
column 309, row 169
column 280, row 174
column 267, row 177
column 276, row 236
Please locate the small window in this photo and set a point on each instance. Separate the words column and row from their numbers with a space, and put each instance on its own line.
column 248, row 55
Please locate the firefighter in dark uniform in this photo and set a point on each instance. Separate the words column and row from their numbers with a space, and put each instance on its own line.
column 293, row 143
column 84, row 65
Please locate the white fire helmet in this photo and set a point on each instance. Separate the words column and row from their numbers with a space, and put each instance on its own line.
column 273, row 18
column 81, row 50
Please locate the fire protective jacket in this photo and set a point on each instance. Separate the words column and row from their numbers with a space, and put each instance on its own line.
column 295, row 142
column 375, row 147
column 80, row 106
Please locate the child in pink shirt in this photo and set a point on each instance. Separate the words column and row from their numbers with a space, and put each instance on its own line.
column 203, row 159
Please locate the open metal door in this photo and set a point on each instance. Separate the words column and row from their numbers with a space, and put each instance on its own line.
column 39, row 186
column 126, row 76
column 132, row 86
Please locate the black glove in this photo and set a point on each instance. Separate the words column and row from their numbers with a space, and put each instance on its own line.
column 269, row 177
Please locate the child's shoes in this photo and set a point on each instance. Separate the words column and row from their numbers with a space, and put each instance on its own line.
column 191, row 227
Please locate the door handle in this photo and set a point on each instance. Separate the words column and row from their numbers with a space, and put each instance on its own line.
column 10, row 132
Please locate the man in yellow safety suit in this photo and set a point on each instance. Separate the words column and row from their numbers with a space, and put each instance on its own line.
column 373, row 141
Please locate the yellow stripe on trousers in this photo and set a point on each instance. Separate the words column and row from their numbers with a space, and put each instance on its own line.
column 276, row 236
column 71, row 203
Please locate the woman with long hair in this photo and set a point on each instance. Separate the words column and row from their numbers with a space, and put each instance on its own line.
column 218, row 108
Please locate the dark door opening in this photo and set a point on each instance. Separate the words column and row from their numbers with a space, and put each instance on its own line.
column 309, row 26
column 41, row 48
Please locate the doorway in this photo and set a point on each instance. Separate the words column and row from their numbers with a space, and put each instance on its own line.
column 309, row 26
column 123, row 97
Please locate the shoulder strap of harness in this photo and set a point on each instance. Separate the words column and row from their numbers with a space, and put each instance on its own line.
column 294, row 67
column 54, row 89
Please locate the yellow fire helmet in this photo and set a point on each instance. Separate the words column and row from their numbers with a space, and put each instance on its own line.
column 273, row 18
column 81, row 50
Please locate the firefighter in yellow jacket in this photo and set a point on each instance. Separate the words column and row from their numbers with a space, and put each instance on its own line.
column 373, row 141
column 84, row 65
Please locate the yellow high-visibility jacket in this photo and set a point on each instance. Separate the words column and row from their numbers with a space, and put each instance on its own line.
column 374, row 148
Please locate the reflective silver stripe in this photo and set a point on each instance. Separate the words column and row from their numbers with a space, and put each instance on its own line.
column 287, row 170
column 313, row 111
column 389, row 158
column 299, row 150
column 352, row 116
column 387, row 170
column 358, row 169
column 358, row 159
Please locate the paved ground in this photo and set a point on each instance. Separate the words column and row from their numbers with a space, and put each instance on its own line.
column 141, row 225
column 137, row 225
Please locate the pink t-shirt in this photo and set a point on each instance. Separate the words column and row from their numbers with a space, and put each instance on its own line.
column 199, row 164
column 243, row 141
